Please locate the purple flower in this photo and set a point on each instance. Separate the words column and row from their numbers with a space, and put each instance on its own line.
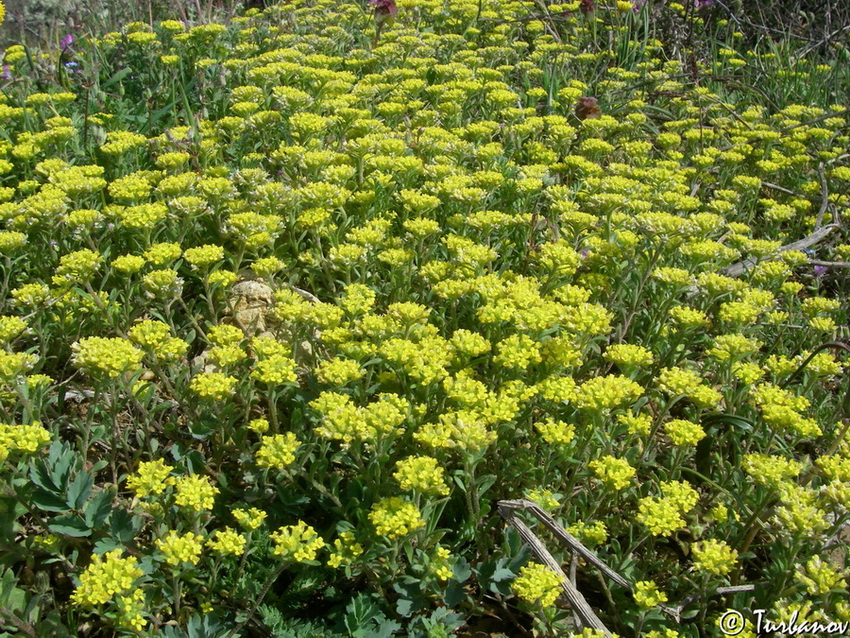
column 820, row 271
column 7, row 73
column 66, row 42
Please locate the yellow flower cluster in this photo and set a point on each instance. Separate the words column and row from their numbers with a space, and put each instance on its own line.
column 249, row 519
column 151, row 478
column 27, row 438
column 647, row 595
column 277, row 451
column 107, row 576
column 537, row 584
column 394, row 517
column 781, row 409
column 591, row 534
column 771, row 470
column 629, row 355
column 108, row 357
column 346, row 550
column 180, row 548
column 607, row 393
column 275, row 370
column 663, row 516
column 714, row 557
column 681, row 381
column 213, row 385
column 342, row 420
column 298, row 542
column 441, row 564
column 555, row 432
column 820, row 577
column 683, row 432
column 195, row 492
column 227, row 542
column 613, row 472
column 421, row 474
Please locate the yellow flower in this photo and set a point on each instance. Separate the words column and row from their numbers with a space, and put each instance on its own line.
column 107, row 576
column 110, row 357
column 249, row 519
column 660, row 515
column 131, row 608
column 394, row 517
column 213, row 385
column 277, row 451
column 683, row 432
column 275, row 370
column 614, row 472
column 537, row 584
column 23, row 438
column 179, row 548
column 627, row 355
column 555, row 432
column 422, row 474
column 299, row 542
column 714, row 556
column 591, row 534
column 441, row 564
column 346, row 550
column 606, row 393
column 227, row 541
column 195, row 492
column 647, row 594
column 151, row 478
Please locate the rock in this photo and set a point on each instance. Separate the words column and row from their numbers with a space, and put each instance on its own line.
column 250, row 307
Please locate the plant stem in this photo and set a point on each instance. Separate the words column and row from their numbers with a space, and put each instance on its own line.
column 259, row 602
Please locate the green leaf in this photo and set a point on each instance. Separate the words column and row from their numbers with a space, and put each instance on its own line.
column 10, row 596
column 79, row 490
column 502, row 573
column 360, row 612
column 53, row 626
column 105, row 545
column 459, row 482
column 461, row 571
column 410, row 597
column 117, row 78
column 49, row 502
column 485, row 483
column 454, row 594
column 99, row 508
column 123, row 526
column 70, row 525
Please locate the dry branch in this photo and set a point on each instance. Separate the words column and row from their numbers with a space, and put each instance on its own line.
column 816, row 237
column 587, row 617
column 830, row 264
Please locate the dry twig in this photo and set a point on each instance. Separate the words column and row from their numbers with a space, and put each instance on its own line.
column 816, row 237
column 585, row 614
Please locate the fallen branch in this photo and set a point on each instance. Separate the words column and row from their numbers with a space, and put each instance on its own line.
column 586, row 616
column 824, row 196
column 563, row 535
column 816, row 237
column 676, row 612
column 830, row 264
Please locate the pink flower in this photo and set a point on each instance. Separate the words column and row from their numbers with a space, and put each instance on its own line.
column 384, row 8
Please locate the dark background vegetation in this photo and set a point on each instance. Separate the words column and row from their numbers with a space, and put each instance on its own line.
column 818, row 25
